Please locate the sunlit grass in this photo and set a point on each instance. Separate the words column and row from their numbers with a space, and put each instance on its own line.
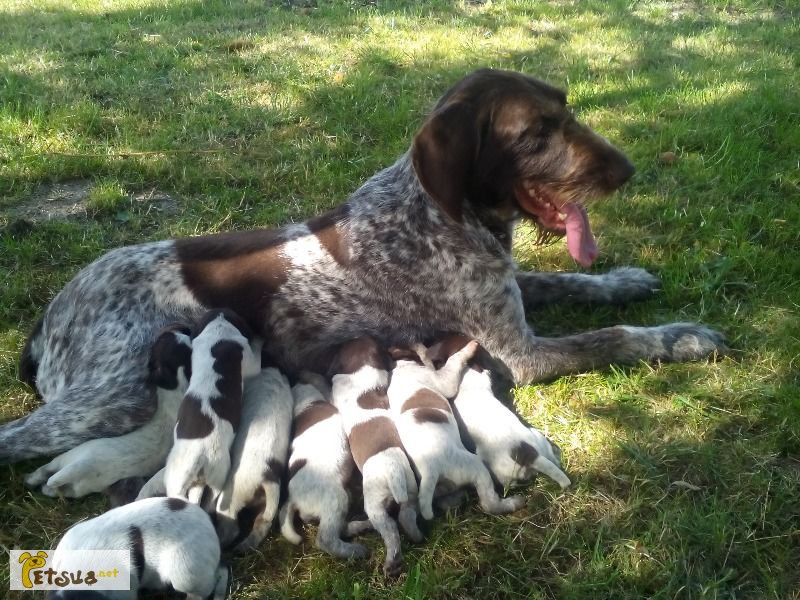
column 256, row 113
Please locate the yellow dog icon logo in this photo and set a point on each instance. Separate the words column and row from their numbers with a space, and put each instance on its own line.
column 29, row 563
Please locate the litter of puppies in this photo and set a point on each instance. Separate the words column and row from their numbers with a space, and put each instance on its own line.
column 233, row 446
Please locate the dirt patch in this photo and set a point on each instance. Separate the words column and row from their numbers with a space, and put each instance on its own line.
column 68, row 199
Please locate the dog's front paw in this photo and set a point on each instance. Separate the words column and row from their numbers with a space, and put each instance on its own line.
column 690, row 341
column 629, row 284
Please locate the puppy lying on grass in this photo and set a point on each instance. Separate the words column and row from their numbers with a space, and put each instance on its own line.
column 513, row 450
column 97, row 464
column 429, row 432
column 172, row 543
column 320, row 471
column 210, row 412
column 359, row 392
column 248, row 503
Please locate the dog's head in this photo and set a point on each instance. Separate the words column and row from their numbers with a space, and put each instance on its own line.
column 509, row 146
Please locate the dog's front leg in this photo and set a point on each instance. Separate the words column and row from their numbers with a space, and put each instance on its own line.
column 618, row 286
column 506, row 335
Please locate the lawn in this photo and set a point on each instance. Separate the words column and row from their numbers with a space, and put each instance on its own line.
column 180, row 117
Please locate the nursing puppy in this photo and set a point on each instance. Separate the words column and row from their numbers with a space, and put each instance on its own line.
column 513, row 450
column 359, row 392
column 97, row 464
column 211, row 409
column 429, row 431
column 248, row 502
column 172, row 543
column 320, row 469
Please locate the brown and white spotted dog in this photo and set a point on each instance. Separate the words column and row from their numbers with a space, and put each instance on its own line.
column 321, row 471
column 360, row 380
column 511, row 449
column 424, row 245
column 249, row 500
column 418, row 398
column 210, row 412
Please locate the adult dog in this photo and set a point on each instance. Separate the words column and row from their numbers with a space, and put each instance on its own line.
column 423, row 245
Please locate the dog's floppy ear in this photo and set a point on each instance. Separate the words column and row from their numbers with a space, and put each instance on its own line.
column 444, row 153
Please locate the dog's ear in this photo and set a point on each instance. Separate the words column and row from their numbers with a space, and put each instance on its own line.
column 444, row 153
column 404, row 354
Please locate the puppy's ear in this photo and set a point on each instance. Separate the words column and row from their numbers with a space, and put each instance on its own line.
column 404, row 354
column 444, row 154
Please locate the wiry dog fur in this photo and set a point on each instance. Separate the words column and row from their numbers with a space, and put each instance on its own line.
column 249, row 501
column 320, row 471
column 360, row 381
column 97, row 464
column 418, row 397
column 512, row 450
column 172, row 543
column 210, row 411
column 498, row 147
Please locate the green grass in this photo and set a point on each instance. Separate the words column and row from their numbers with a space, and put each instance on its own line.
column 262, row 112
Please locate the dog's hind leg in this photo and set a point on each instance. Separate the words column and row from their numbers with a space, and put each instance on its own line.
column 618, row 286
column 75, row 415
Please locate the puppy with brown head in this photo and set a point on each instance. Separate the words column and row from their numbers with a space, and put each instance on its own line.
column 360, row 380
column 97, row 464
column 210, row 412
column 418, row 397
column 511, row 449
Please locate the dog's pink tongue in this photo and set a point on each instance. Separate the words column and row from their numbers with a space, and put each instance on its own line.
column 580, row 241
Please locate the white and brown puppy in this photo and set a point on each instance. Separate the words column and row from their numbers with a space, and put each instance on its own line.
column 249, row 501
column 429, row 431
column 320, row 471
column 361, row 376
column 513, row 450
column 171, row 542
column 97, row 464
column 210, row 412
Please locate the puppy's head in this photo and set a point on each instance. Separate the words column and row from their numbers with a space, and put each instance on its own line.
column 358, row 353
column 505, row 145
column 170, row 362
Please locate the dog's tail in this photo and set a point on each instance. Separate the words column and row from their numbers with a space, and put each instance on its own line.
column 287, row 514
column 75, row 415
column 32, row 355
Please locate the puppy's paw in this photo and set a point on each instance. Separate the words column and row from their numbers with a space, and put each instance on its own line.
column 393, row 567
column 629, row 284
column 689, row 341
column 38, row 477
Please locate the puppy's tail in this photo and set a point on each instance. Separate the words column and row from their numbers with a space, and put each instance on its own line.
column 287, row 514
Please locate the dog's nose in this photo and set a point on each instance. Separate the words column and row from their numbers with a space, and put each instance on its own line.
column 620, row 171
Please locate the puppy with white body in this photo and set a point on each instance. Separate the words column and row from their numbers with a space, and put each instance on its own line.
column 418, row 399
column 249, row 501
column 209, row 414
column 97, row 464
column 513, row 450
column 360, row 381
column 171, row 542
column 320, row 470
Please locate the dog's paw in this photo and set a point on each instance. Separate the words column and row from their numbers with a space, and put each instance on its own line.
column 629, row 284
column 690, row 341
column 358, row 552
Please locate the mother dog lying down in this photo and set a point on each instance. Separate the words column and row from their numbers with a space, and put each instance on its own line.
column 423, row 245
